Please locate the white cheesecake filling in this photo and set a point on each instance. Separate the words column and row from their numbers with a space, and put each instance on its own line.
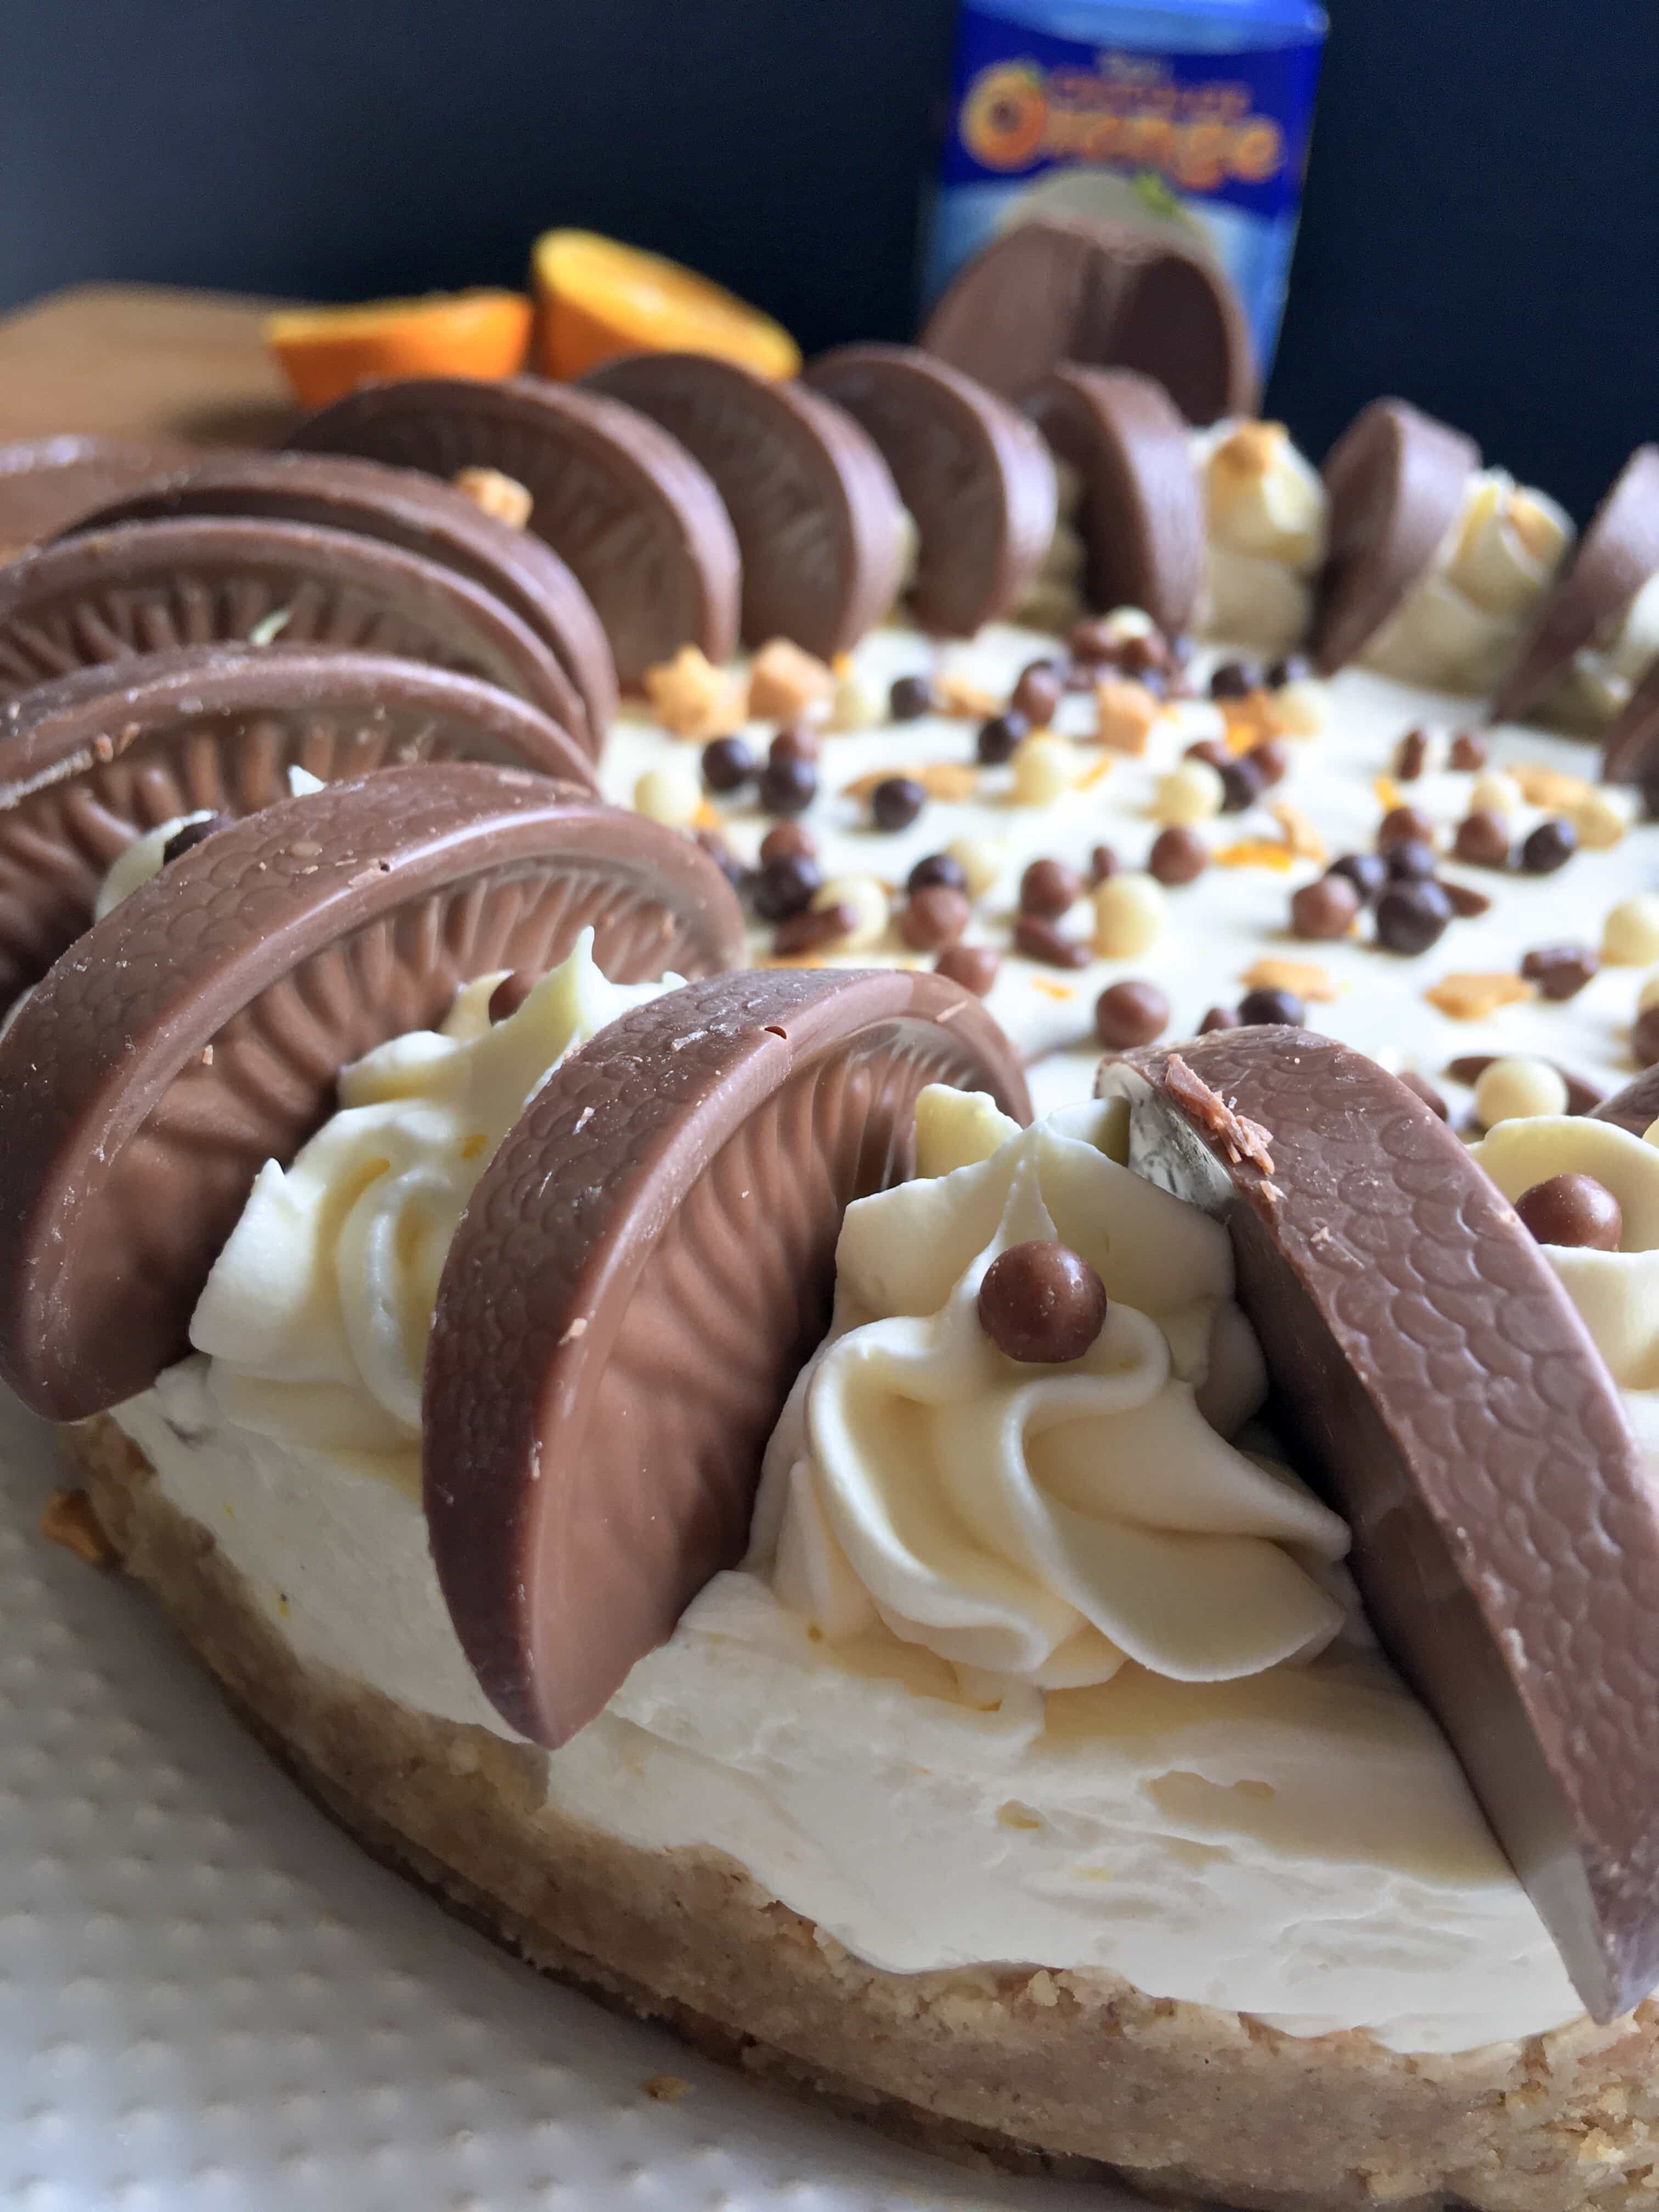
column 1597, row 685
column 1298, row 1844
column 1460, row 627
column 1266, row 513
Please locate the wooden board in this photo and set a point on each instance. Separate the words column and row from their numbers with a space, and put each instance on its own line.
column 142, row 361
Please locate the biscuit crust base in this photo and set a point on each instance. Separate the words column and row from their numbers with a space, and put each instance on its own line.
column 1078, row 2074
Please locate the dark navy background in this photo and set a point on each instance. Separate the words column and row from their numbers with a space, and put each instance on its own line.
column 1481, row 232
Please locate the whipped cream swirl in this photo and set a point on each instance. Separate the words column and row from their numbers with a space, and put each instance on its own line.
column 1617, row 1293
column 1459, row 628
column 316, row 1312
column 1042, row 1525
column 1266, row 513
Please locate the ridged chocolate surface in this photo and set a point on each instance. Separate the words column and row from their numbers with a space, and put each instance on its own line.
column 90, row 761
column 817, row 519
column 1396, row 478
column 404, row 508
column 1613, row 559
column 197, row 1031
column 1060, row 289
column 105, row 595
column 47, row 484
column 643, row 1272
column 1630, row 754
column 624, row 505
column 1439, row 1386
column 1142, row 517
column 974, row 477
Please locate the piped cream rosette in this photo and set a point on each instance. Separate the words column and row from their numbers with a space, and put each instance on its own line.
column 316, row 1312
column 1266, row 512
column 1040, row 1525
column 1617, row 1293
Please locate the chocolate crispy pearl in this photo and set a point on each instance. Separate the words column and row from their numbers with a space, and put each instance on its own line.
column 1437, row 1384
column 1042, row 1303
column 195, row 1031
column 1573, row 1210
column 624, row 505
column 106, row 595
column 1396, row 478
column 1059, row 288
column 645, row 1266
column 1616, row 554
column 817, row 519
column 1142, row 517
column 93, row 759
column 403, row 508
column 974, row 477
column 47, row 484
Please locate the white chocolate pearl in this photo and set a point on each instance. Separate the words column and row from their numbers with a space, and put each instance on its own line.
column 1648, row 995
column 1300, row 710
column 1130, row 910
column 855, row 706
column 1494, row 794
column 1125, row 622
column 1630, row 935
column 1192, row 792
column 670, row 793
column 1601, row 820
column 872, row 908
column 980, row 860
column 1516, row 1090
column 1042, row 769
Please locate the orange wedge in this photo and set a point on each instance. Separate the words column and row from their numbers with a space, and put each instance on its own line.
column 329, row 351
column 598, row 299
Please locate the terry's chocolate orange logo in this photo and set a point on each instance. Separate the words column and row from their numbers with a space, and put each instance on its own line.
column 1200, row 136
column 1004, row 115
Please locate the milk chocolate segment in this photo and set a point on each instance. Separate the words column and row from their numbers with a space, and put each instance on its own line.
column 93, row 759
column 403, row 508
column 818, row 522
column 642, row 1271
column 1435, row 1382
column 1613, row 559
column 197, row 1031
column 1142, row 517
column 1059, row 288
column 1630, row 754
column 1396, row 478
column 1636, row 1108
column 106, row 595
column 625, row 505
column 974, row 477
column 47, row 484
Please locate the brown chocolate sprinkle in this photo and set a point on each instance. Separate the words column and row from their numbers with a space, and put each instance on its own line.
column 1560, row 971
column 1041, row 1303
column 1573, row 1210
column 1241, row 1140
column 1466, row 902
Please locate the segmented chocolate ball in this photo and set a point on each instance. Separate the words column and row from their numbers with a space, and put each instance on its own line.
column 727, row 763
column 1130, row 1013
column 1412, row 916
column 895, row 802
column 1572, row 1209
column 1042, row 1303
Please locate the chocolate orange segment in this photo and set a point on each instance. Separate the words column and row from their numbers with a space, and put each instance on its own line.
column 1060, row 289
column 402, row 508
column 1616, row 554
column 47, row 484
column 625, row 506
column 1437, row 1384
column 106, row 595
column 641, row 1272
column 197, row 1031
column 93, row 759
column 1630, row 754
column 1396, row 478
column 1636, row 1108
column 974, row 477
column 1142, row 517
column 817, row 519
